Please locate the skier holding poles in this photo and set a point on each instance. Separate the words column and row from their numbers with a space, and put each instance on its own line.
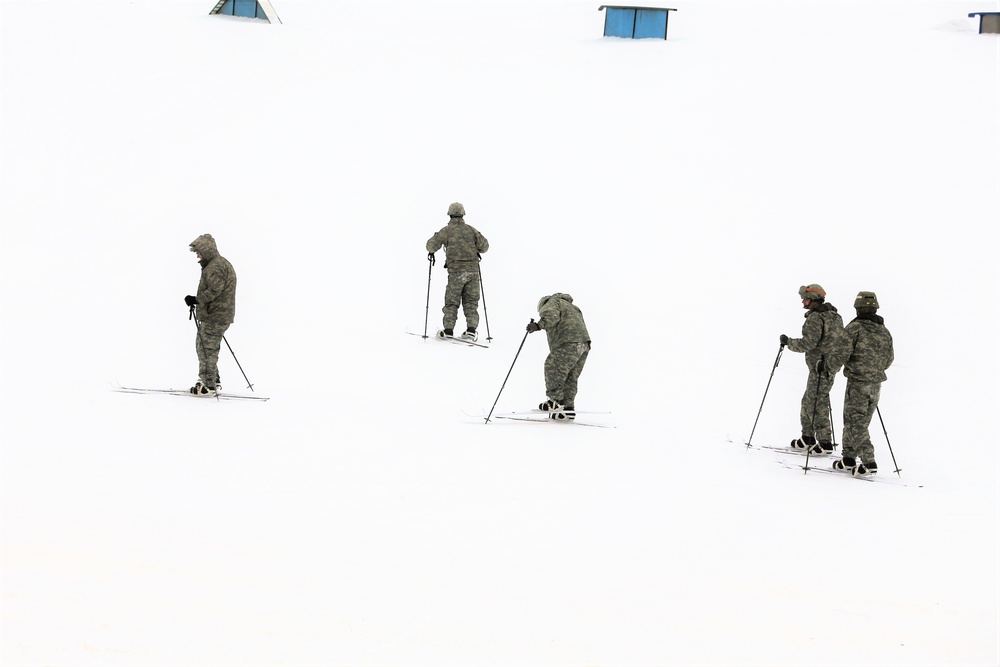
column 569, row 346
column 214, row 309
column 871, row 353
column 464, row 246
column 823, row 342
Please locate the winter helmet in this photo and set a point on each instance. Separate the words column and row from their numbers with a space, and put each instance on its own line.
column 542, row 302
column 812, row 292
column 866, row 301
column 456, row 210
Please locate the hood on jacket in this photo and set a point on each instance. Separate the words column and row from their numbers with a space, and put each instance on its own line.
column 558, row 295
column 205, row 246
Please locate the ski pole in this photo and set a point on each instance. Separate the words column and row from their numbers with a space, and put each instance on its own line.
column 777, row 360
column 249, row 384
column 879, row 412
column 812, row 423
column 486, row 315
column 833, row 431
column 427, row 309
column 508, row 375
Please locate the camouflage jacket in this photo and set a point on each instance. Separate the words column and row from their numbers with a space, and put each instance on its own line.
column 822, row 337
column 462, row 242
column 871, row 349
column 562, row 321
column 217, row 287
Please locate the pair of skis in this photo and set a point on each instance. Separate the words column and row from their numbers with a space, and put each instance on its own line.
column 779, row 456
column 782, row 450
column 788, row 463
column 458, row 340
column 540, row 417
column 794, row 452
column 187, row 392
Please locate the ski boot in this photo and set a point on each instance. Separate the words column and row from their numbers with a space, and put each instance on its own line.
column 446, row 333
column 202, row 389
column 470, row 335
column 567, row 412
column 847, row 464
column 822, row 449
column 805, row 442
column 865, row 469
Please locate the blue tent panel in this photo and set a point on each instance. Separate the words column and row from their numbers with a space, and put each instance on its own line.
column 619, row 22
column 650, row 23
column 250, row 9
column 247, row 8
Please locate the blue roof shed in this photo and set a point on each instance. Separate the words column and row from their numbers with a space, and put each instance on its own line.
column 251, row 9
column 635, row 22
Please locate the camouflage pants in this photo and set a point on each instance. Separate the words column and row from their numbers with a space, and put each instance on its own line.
column 860, row 403
column 814, row 413
column 562, row 370
column 207, row 344
column 462, row 290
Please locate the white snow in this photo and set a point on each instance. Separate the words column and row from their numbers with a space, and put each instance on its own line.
column 681, row 191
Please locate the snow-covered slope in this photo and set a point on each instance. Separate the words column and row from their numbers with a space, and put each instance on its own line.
column 681, row 191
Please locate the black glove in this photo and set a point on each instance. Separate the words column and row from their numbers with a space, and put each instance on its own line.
column 532, row 327
column 821, row 365
column 784, row 339
column 190, row 300
column 430, row 258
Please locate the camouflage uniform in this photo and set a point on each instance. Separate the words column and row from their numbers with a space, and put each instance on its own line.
column 463, row 245
column 569, row 345
column 822, row 335
column 216, row 308
column 871, row 354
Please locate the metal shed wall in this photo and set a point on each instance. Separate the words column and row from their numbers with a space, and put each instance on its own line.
column 619, row 22
column 634, row 22
column 650, row 23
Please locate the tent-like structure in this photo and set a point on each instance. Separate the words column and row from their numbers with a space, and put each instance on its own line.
column 252, row 9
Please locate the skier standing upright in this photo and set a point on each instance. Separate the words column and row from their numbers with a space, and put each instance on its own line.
column 463, row 246
column 214, row 309
column 871, row 353
column 822, row 342
column 569, row 346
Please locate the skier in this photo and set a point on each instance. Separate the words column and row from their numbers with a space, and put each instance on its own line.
column 569, row 345
column 871, row 354
column 214, row 309
column 464, row 246
column 823, row 342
